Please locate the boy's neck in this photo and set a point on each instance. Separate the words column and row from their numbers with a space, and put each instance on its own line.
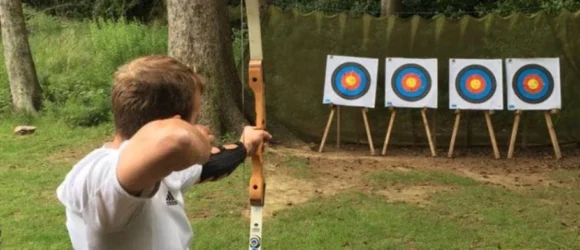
column 116, row 142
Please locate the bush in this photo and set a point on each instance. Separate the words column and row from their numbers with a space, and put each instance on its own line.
column 75, row 62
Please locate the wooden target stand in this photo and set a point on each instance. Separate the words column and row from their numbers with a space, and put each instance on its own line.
column 336, row 109
column 425, row 123
column 489, row 128
column 551, row 131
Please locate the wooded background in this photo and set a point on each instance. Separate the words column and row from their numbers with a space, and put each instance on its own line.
column 76, row 45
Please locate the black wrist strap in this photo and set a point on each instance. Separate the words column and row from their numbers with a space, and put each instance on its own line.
column 224, row 163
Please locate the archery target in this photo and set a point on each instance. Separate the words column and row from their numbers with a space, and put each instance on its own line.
column 476, row 84
column 350, row 81
column 411, row 83
column 533, row 84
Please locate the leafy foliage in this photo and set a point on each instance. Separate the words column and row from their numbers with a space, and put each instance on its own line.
column 150, row 9
column 75, row 62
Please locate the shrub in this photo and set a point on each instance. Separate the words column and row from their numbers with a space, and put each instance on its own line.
column 75, row 61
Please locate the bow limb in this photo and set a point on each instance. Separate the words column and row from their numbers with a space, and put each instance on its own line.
column 257, row 188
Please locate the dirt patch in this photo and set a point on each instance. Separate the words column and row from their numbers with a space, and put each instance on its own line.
column 70, row 155
column 517, row 173
column 284, row 191
column 509, row 180
column 418, row 195
column 339, row 171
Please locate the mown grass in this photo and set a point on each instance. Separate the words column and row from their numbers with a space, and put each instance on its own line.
column 494, row 217
column 31, row 168
column 471, row 215
column 386, row 179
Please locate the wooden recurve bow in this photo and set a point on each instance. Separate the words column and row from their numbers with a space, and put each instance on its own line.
column 256, row 83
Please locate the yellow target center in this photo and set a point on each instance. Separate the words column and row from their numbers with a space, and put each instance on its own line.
column 411, row 82
column 350, row 80
column 475, row 84
column 533, row 84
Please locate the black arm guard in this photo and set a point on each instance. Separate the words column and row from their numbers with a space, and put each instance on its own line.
column 223, row 163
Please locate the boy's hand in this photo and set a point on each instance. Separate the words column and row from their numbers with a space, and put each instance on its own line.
column 204, row 130
column 251, row 138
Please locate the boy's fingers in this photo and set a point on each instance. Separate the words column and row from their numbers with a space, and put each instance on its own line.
column 266, row 135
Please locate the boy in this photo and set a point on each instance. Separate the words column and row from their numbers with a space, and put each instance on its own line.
column 128, row 193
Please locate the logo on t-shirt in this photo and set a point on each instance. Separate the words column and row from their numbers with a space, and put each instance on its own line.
column 170, row 200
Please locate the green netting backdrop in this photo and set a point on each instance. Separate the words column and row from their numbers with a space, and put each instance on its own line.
column 296, row 46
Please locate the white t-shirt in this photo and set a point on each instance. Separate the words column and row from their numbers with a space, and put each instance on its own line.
column 102, row 215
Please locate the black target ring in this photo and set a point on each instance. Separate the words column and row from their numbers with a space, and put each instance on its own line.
column 360, row 71
column 482, row 73
column 540, row 73
column 418, row 71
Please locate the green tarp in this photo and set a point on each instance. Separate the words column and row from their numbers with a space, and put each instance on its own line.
column 296, row 46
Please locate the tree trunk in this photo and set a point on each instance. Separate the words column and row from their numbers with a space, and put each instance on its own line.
column 200, row 36
column 24, row 85
column 390, row 7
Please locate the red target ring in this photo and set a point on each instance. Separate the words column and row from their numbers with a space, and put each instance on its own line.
column 411, row 82
column 475, row 84
column 533, row 83
column 350, row 80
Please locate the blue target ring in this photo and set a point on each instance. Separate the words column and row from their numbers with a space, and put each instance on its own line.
column 475, row 84
column 420, row 82
column 540, row 90
column 347, row 72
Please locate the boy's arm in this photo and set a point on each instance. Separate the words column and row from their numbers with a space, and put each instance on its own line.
column 158, row 149
column 223, row 161
column 108, row 187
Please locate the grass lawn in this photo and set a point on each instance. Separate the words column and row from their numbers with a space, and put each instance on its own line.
column 320, row 202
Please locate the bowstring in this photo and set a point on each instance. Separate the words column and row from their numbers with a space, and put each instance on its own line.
column 243, row 77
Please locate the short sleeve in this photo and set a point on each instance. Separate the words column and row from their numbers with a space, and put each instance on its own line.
column 190, row 176
column 93, row 190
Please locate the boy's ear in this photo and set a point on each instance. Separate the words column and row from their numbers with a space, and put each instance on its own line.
column 177, row 117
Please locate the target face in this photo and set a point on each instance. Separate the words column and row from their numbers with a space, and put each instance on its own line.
column 350, row 81
column 476, row 84
column 411, row 82
column 534, row 83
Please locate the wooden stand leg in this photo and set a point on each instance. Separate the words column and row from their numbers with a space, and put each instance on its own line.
column 524, row 136
column 389, row 130
column 332, row 108
column 491, row 134
column 468, row 131
column 553, row 137
column 413, row 126
column 356, row 128
column 368, row 129
column 514, row 134
column 338, row 127
column 434, row 126
column 454, row 133
column 428, row 131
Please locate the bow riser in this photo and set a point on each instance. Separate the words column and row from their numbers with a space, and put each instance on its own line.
column 257, row 184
